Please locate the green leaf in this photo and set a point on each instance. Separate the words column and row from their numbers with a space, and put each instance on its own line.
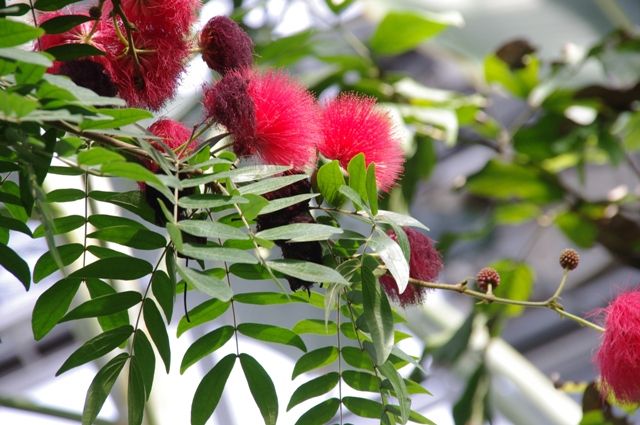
column 363, row 407
column 213, row 253
column 392, row 257
column 357, row 171
column 400, row 389
column 205, row 345
column 124, row 268
column 96, row 347
column 136, row 396
column 501, row 180
column 52, row 304
column 320, row 414
column 579, row 229
column 164, row 291
column 377, row 312
column 205, row 312
column 271, row 184
column 361, row 381
column 72, row 51
column 205, row 283
column 119, row 118
column 271, row 333
column 61, row 225
column 65, row 195
column 157, row 331
column 145, row 359
column 315, row 359
column 372, row 189
column 25, row 56
column 314, row 388
column 61, row 24
column 46, row 264
column 14, row 33
column 400, row 31
column 104, row 305
column 211, row 229
column 15, row 265
column 329, row 180
column 133, row 237
column 307, row 271
column 300, row 232
column 209, row 391
column 315, row 326
column 100, row 388
column 261, row 387
column 357, row 358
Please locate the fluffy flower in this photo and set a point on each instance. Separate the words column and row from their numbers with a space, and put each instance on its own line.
column 286, row 130
column 225, row 46
column 153, row 80
column 162, row 17
column 619, row 355
column 425, row 264
column 351, row 125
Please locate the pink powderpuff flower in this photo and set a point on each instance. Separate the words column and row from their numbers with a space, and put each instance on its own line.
column 285, row 129
column 351, row 125
column 153, row 80
column 425, row 264
column 619, row 355
column 174, row 17
column 225, row 46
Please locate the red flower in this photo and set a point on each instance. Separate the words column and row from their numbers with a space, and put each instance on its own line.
column 286, row 129
column 351, row 125
column 425, row 264
column 225, row 46
column 619, row 355
column 154, row 79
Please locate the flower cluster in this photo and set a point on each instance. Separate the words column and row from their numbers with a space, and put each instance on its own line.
column 144, row 53
column 619, row 355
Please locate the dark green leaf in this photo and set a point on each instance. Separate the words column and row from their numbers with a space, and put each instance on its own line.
column 64, row 23
column 315, row 359
column 361, row 381
column 124, row 268
column 145, row 359
column 205, row 312
column 61, row 225
column 320, row 414
column 96, row 347
column 104, row 305
column 158, row 331
column 65, row 195
column 206, row 283
column 261, row 387
column 101, row 387
column 315, row 326
column 52, row 305
column 271, row 333
column 400, row 31
column 71, row 51
column 210, row 389
column 363, row 407
column 314, row 388
column 15, row 265
column 205, row 345
column 377, row 311
column 14, row 33
column 47, row 265
column 308, row 271
column 136, row 396
column 164, row 291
